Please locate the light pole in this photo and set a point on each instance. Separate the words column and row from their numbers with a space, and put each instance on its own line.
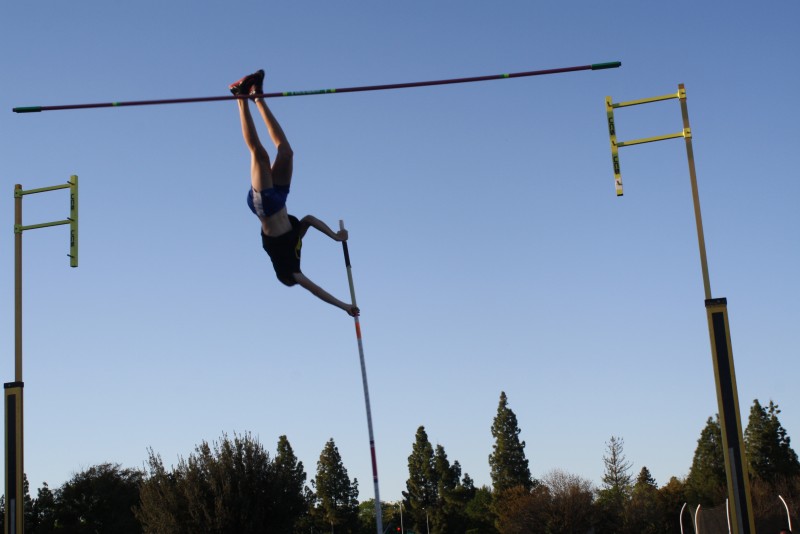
column 402, row 530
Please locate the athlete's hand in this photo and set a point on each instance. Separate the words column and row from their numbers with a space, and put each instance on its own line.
column 341, row 235
column 353, row 311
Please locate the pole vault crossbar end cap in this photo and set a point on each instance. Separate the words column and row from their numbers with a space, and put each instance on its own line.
column 722, row 301
column 12, row 385
column 29, row 109
column 609, row 65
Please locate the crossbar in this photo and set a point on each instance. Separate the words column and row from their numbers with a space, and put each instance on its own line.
column 594, row 66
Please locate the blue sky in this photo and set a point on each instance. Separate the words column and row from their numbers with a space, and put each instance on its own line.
column 489, row 250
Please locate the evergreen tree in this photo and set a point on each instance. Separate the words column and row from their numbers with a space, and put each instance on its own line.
column 232, row 487
column 673, row 497
column 617, row 475
column 644, row 512
column 44, row 511
column 99, row 499
column 614, row 494
column 289, row 482
column 448, row 514
column 336, row 496
column 422, row 485
column 769, row 453
column 480, row 512
column 509, row 467
column 447, row 476
column 706, row 483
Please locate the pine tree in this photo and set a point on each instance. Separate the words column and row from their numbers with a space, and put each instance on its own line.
column 100, row 499
column 617, row 474
column 289, row 483
column 44, row 510
column 422, row 485
column 446, row 475
column 614, row 495
column 509, row 467
column 336, row 496
column 480, row 512
column 706, row 483
column 449, row 514
column 644, row 512
column 673, row 496
column 232, row 487
column 769, row 453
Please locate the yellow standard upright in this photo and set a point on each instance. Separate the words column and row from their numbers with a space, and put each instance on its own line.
column 718, row 327
column 14, row 428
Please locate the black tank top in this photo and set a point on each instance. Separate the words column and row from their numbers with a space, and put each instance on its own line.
column 284, row 251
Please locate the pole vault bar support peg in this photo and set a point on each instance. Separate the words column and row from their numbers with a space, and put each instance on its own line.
column 72, row 220
column 612, row 131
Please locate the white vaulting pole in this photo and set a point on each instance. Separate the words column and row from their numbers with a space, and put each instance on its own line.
column 378, row 518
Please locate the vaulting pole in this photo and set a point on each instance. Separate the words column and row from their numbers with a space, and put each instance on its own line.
column 594, row 66
column 378, row 519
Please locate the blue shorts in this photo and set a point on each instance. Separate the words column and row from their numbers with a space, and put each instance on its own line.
column 269, row 201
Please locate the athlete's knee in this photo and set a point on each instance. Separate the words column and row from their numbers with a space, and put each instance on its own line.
column 260, row 155
column 285, row 151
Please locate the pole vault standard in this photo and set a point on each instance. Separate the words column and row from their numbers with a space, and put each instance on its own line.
column 378, row 518
column 718, row 326
column 594, row 66
column 14, row 413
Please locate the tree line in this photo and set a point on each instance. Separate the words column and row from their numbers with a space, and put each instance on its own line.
column 235, row 486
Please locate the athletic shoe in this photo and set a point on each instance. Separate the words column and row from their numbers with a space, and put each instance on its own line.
column 258, row 84
column 245, row 85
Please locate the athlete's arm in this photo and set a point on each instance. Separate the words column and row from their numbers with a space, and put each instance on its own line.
column 324, row 295
column 311, row 221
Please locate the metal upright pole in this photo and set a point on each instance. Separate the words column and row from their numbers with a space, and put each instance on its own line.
column 17, row 283
column 378, row 518
column 13, row 398
column 701, row 240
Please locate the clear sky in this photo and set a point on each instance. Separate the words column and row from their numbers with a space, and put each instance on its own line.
column 489, row 250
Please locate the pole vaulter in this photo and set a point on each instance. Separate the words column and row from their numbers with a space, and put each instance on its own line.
column 594, row 66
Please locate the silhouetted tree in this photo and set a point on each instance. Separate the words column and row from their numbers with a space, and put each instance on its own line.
column 769, row 453
column 232, row 487
column 509, row 467
column 336, row 496
column 613, row 496
column 706, row 483
column 421, row 495
column 644, row 512
column 570, row 509
column 99, row 499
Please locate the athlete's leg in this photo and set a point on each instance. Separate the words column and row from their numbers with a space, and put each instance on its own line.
column 282, row 168
column 260, row 169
